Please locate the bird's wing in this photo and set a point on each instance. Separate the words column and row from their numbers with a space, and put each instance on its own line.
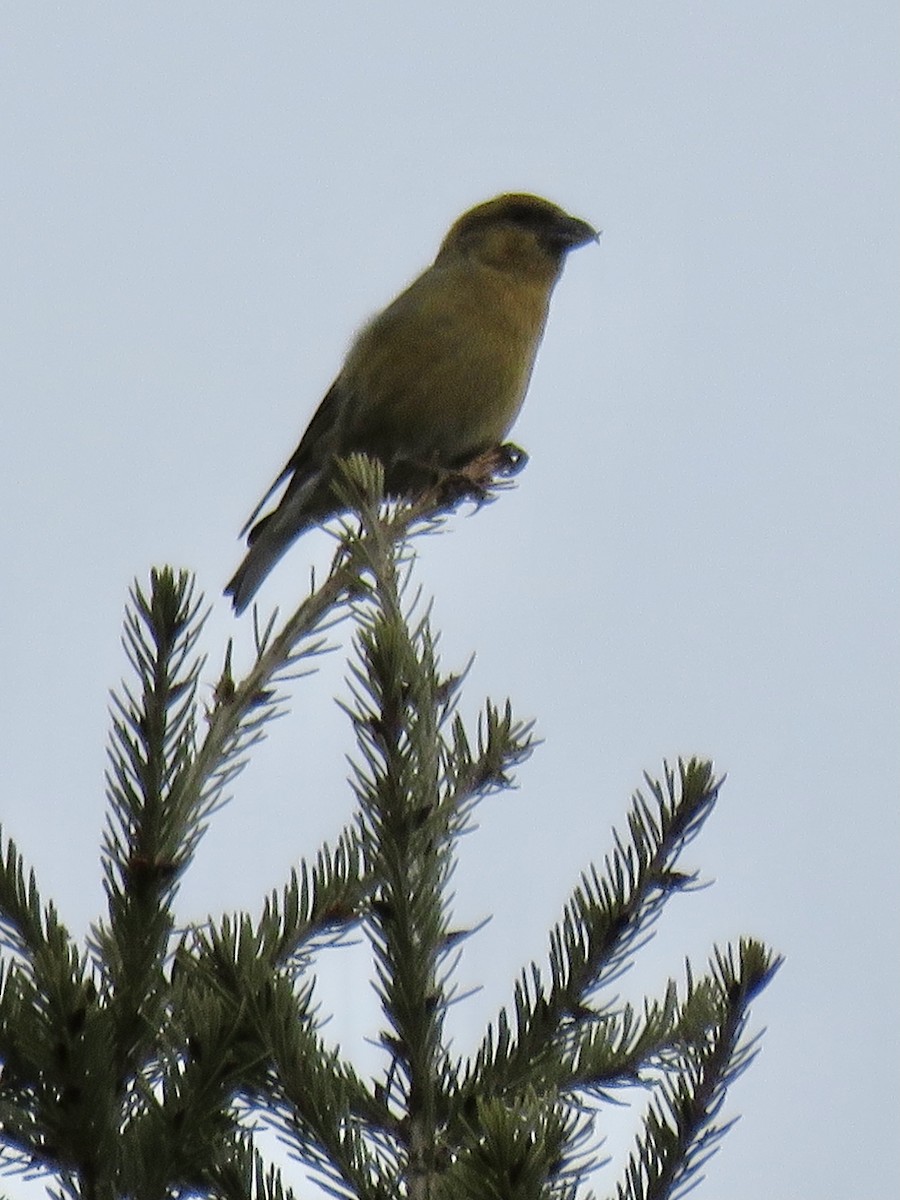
column 305, row 461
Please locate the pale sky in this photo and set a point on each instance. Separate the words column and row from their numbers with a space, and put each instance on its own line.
column 202, row 203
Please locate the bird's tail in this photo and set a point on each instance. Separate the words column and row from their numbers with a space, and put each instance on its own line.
column 269, row 539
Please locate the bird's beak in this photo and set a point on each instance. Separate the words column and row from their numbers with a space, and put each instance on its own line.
column 573, row 232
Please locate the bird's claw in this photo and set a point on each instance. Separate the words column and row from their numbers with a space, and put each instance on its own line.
column 480, row 477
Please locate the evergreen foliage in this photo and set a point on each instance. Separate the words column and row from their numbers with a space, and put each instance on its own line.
column 140, row 1065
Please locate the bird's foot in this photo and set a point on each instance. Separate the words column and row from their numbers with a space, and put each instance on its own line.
column 479, row 478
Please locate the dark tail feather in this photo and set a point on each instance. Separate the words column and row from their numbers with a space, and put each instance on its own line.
column 266, row 547
column 246, row 580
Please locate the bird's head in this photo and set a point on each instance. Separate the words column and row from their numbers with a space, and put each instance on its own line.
column 519, row 233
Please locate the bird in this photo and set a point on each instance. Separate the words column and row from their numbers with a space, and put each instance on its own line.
column 433, row 381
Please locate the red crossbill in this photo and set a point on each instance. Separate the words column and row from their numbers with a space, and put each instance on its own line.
column 436, row 379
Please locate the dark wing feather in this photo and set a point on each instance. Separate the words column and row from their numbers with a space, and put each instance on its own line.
column 318, row 439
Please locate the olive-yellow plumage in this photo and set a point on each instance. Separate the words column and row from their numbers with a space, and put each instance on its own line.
column 434, row 380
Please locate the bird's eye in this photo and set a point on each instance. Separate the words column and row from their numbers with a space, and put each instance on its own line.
column 527, row 214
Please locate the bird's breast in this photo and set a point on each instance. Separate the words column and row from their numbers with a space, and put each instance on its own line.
column 441, row 374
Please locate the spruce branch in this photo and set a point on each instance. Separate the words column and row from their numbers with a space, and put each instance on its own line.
column 317, row 906
column 243, row 707
column 620, row 1047
column 154, row 820
column 145, row 1067
column 246, row 1176
column 53, row 1091
column 332, row 1120
column 416, row 782
column 28, row 928
column 406, row 835
column 681, row 1132
column 526, row 1150
column 607, row 918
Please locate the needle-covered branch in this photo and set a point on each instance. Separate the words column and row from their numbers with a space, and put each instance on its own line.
column 144, row 1065
column 681, row 1130
column 607, row 918
column 413, row 806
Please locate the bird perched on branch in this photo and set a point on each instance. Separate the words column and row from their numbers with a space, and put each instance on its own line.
column 436, row 379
